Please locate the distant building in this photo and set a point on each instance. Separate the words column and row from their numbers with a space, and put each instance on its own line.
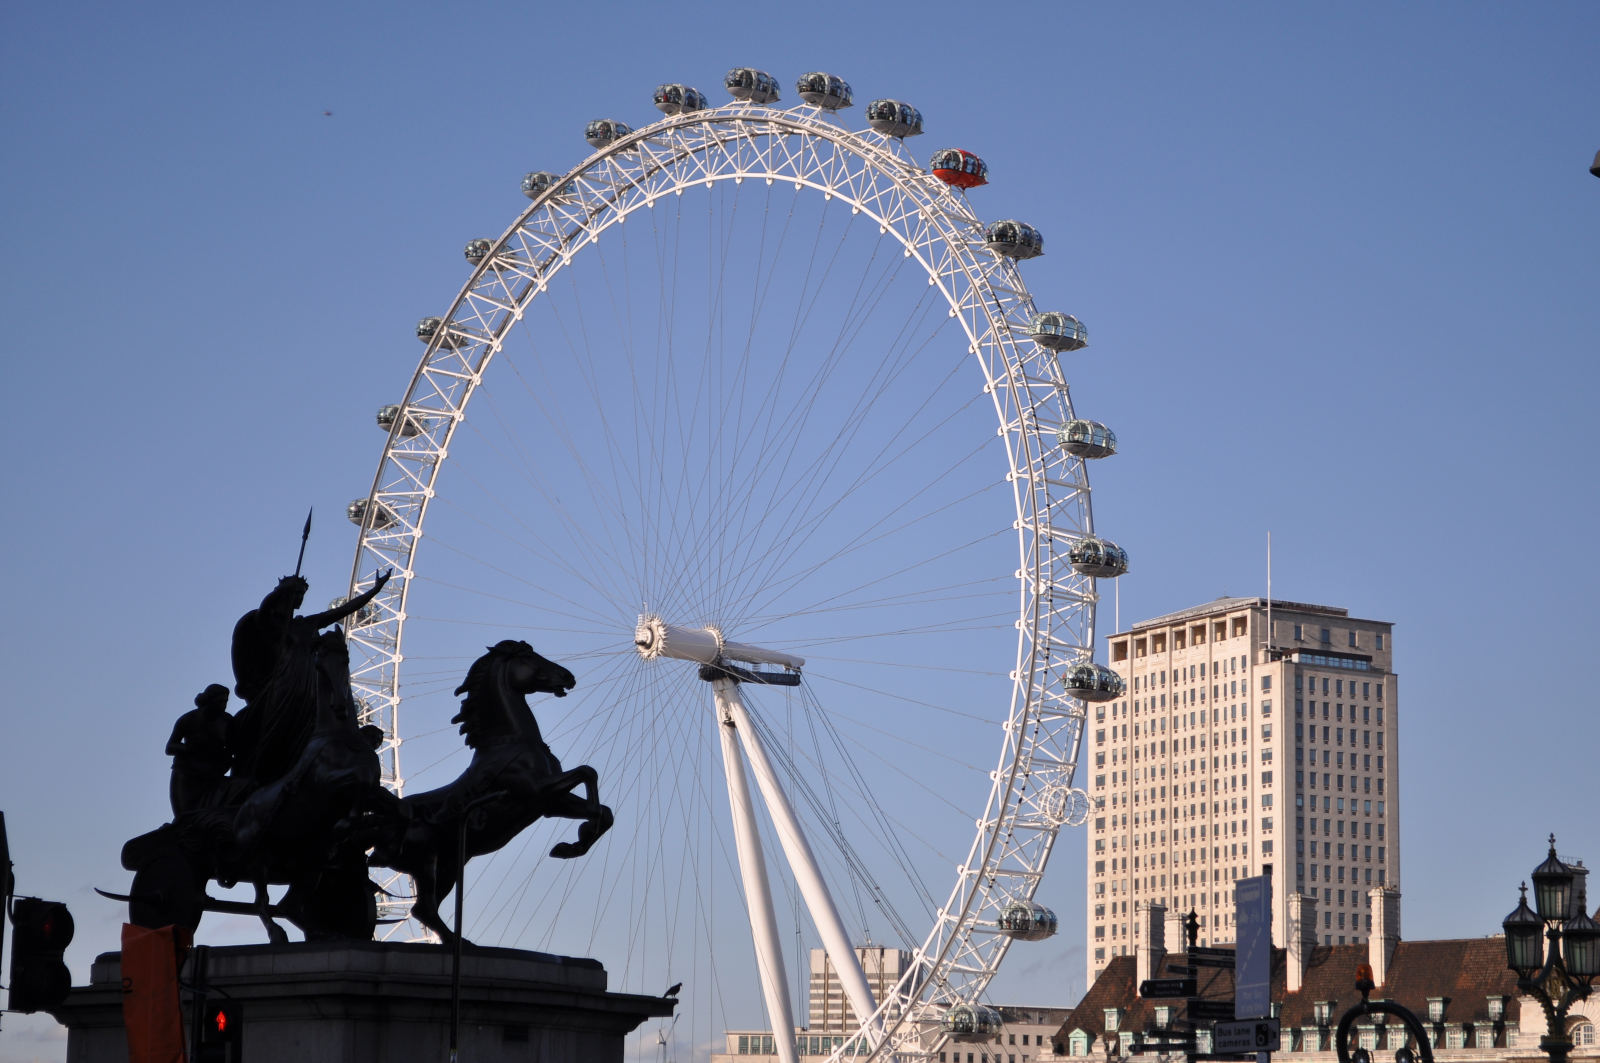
column 1461, row 990
column 1025, row 1037
column 830, row 1010
column 829, row 1015
column 1236, row 749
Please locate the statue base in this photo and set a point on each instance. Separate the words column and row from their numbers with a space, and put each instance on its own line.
column 380, row 1002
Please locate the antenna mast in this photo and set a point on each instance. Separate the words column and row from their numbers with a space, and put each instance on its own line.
column 1269, row 597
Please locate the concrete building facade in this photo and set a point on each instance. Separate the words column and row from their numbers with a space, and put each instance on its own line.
column 1243, row 744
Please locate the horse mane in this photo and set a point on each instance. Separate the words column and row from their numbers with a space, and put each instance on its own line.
column 486, row 714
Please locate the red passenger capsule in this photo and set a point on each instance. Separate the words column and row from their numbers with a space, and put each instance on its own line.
column 959, row 169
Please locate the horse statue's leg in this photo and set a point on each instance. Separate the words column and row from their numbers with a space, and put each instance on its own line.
column 275, row 933
column 597, row 818
column 434, row 884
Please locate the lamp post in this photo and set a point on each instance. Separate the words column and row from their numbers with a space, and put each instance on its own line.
column 1344, row 1039
column 1564, row 972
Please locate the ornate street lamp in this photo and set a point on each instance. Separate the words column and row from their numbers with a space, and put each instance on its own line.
column 1558, row 976
column 1345, row 1039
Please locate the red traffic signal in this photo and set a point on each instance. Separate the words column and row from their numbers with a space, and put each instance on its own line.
column 39, row 976
column 221, row 1033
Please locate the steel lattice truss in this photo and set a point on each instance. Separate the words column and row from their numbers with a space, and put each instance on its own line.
column 1032, row 794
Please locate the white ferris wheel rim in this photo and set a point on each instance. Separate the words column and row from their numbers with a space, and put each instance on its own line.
column 871, row 174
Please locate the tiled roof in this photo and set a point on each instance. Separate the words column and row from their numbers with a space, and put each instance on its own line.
column 1465, row 972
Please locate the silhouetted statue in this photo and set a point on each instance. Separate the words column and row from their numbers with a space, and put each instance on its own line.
column 275, row 672
column 288, row 791
column 199, row 749
column 512, row 780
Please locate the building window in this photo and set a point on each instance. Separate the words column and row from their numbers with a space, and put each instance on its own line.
column 1380, row 646
column 1583, row 1035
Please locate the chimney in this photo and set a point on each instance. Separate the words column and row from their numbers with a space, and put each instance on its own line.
column 1152, row 949
column 1385, row 930
column 1173, row 925
column 1302, row 938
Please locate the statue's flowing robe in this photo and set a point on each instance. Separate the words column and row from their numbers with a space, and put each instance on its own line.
column 275, row 670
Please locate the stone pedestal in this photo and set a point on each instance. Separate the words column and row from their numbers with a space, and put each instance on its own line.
column 377, row 1002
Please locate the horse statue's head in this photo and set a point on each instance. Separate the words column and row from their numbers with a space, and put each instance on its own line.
column 496, row 684
column 520, row 668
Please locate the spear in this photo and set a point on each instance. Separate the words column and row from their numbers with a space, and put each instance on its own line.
column 305, row 533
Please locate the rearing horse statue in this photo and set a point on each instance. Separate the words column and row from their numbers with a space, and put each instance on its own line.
column 513, row 779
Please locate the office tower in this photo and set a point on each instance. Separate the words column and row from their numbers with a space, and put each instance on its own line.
column 1238, row 747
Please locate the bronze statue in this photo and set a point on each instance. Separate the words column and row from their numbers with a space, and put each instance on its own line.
column 275, row 672
column 512, row 780
column 199, row 749
column 287, row 791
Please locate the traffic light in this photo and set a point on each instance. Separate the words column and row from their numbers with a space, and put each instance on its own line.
column 221, row 1033
column 39, row 976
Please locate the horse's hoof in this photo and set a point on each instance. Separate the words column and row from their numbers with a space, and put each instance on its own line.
column 567, row 850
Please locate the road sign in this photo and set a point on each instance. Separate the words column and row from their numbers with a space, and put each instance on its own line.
column 1224, row 962
column 1166, row 988
column 1245, row 1035
column 1252, row 904
column 1211, row 1010
column 1164, row 1045
column 1207, row 951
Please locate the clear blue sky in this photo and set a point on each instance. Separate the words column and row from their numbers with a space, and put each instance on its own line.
column 1338, row 265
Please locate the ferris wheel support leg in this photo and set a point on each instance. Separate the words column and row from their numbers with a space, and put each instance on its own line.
column 824, row 913
column 753, row 869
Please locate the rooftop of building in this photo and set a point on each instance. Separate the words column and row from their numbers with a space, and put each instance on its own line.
column 1224, row 605
column 1464, row 973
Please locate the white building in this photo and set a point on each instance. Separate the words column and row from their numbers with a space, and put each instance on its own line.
column 1238, row 748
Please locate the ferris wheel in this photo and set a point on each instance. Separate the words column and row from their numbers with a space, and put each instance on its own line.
column 769, row 445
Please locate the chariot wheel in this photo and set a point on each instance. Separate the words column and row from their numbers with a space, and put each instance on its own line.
column 755, row 395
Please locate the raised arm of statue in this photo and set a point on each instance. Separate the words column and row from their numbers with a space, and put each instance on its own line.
column 333, row 616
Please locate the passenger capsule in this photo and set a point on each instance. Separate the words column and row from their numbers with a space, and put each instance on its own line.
column 534, row 184
column 429, row 327
column 1096, row 557
column 1058, row 331
column 479, row 250
column 959, row 169
column 602, row 131
column 411, row 426
column 377, row 517
column 824, row 90
column 1013, row 239
column 360, row 618
column 971, row 1023
column 678, row 99
column 893, row 118
column 747, row 83
column 1088, row 439
column 1093, row 682
column 1027, row 922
